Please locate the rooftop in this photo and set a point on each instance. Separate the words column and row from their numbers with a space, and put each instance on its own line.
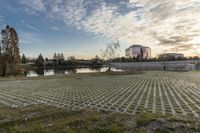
column 137, row 45
column 172, row 54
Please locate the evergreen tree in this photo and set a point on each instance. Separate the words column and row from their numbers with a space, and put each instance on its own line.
column 24, row 59
column 39, row 61
column 55, row 58
column 46, row 60
column 61, row 59
column 58, row 59
column 9, row 49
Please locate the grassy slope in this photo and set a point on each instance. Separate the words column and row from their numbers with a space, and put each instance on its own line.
column 77, row 75
column 39, row 118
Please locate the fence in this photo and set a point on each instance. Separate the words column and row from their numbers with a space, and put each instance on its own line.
column 168, row 65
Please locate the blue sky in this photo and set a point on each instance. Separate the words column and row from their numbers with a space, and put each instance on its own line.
column 83, row 27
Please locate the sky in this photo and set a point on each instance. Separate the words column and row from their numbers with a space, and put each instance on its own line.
column 81, row 28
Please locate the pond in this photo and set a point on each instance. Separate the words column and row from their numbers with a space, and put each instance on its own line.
column 66, row 71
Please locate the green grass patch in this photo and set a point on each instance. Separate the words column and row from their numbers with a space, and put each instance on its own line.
column 145, row 119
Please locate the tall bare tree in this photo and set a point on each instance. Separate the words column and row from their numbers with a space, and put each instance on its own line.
column 111, row 52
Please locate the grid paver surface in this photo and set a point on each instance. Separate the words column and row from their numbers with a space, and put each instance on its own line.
column 155, row 91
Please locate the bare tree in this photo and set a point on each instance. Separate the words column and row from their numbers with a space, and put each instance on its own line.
column 111, row 52
column 197, row 53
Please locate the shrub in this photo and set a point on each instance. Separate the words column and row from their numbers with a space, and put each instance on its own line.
column 16, row 71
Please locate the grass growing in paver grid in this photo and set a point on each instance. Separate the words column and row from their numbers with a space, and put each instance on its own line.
column 158, row 92
column 43, row 119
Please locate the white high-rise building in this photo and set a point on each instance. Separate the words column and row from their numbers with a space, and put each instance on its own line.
column 138, row 51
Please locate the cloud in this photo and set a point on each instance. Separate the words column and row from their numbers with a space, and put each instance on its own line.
column 29, row 37
column 78, row 55
column 1, row 18
column 54, row 28
column 2, row 22
column 33, row 6
column 27, row 25
column 31, row 27
column 182, row 48
column 162, row 25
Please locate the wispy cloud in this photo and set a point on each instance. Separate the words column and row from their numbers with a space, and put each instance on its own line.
column 78, row 55
column 1, row 18
column 54, row 28
column 27, row 25
column 31, row 27
column 29, row 38
column 2, row 21
column 33, row 6
column 167, row 24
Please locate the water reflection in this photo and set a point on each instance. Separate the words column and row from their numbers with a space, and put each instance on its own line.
column 49, row 72
column 70, row 71
column 32, row 73
column 87, row 70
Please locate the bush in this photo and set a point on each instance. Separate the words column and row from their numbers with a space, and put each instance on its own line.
column 16, row 71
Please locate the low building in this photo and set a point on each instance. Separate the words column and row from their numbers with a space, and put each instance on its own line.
column 171, row 56
column 140, row 51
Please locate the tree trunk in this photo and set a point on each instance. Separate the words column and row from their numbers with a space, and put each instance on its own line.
column 4, row 70
column 109, row 68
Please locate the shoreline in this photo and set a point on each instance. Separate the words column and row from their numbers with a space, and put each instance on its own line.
column 62, row 67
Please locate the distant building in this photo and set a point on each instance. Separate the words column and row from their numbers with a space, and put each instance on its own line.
column 171, row 56
column 146, row 52
column 138, row 51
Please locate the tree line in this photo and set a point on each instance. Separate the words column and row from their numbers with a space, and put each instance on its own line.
column 154, row 59
column 58, row 60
